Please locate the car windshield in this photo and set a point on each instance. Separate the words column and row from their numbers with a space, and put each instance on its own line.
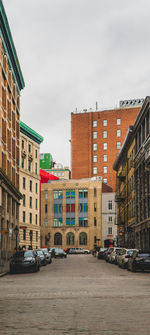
column 40, row 253
column 28, row 254
column 117, row 251
column 130, row 252
column 143, row 255
column 59, row 250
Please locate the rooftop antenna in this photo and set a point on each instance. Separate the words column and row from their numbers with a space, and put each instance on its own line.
column 96, row 105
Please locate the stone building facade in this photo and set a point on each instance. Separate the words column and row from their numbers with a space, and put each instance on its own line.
column 96, row 138
column 11, row 83
column 71, row 213
column 29, row 223
column 109, row 222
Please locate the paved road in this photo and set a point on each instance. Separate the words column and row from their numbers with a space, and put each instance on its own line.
column 79, row 295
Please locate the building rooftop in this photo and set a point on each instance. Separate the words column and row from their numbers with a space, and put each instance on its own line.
column 26, row 130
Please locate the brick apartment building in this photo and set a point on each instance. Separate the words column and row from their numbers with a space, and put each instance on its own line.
column 96, row 138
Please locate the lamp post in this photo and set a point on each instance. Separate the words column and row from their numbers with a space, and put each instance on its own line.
column 16, row 231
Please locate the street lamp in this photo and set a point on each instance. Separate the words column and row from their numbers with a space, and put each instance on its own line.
column 16, row 231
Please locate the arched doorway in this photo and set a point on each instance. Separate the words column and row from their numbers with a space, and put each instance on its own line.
column 70, row 239
column 83, row 239
column 58, row 239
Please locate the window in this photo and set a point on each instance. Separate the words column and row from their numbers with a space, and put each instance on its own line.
column 105, row 134
column 94, row 146
column 104, row 169
column 95, row 239
column 58, row 194
column 70, row 208
column 104, row 146
column 30, row 216
column 36, row 236
column 36, row 219
column 46, row 194
column 110, row 219
column 35, row 168
column 22, row 144
column 46, row 222
column 118, row 132
column 29, row 147
column 29, row 165
column 83, row 208
column 94, row 170
column 70, row 194
column 95, row 192
column 36, row 187
column 30, row 202
column 24, row 183
column 35, row 153
column 94, row 159
column 95, row 123
column 24, row 200
column 118, row 145
column 105, row 180
column 36, row 203
column 22, row 162
column 45, row 208
column 94, row 135
column 30, row 185
column 24, row 216
column 94, row 206
column 57, row 208
column 83, row 194
column 95, row 222
column 109, row 230
column 118, row 122
column 57, row 222
column 83, row 222
column 70, row 222
column 24, row 234
column 104, row 158
column 105, row 123
column 110, row 204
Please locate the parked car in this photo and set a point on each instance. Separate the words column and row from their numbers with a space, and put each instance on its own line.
column 124, row 257
column 24, row 261
column 52, row 252
column 47, row 255
column 101, row 253
column 108, row 252
column 139, row 261
column 111, row 257
column 79, row 251
column 42, row 257
column 60, row 253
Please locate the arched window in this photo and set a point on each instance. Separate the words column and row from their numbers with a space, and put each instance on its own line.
column 57, row 239
column 70, row 239
column 83, row 239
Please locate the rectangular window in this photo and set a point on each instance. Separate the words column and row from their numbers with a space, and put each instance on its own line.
column 118, row 132
column 36, row 187
column 35, row 153
column 36, row 236
column 95, row 239
column 118, row 145
column 83, row 208
column 30, row 202
column 94, row 123
column 29, row 165
column 22, row 162
column 109, row 230
column 58, row 194
column 24, row 216
column 45, row 208
column 83, row 194
column 110, row 204
column 30, row 185
column 94, row 206
column 94, row 159
column 24, row 234
column 95, row 222
column 29, row 147
column 118, row 122
column 105, row 180
column 36, row 203
column 22, row 144
column 104, row 158
column 70, row 222
column 83, row 222
column 24, row 200
column 94, row 170
column 70, row 194
column 30, row 216
column 104, row 169
column 94, row 146
column 46, row 222
column 35, row 168
column 104, row 146
column 24, row 183
column 104, row 123
column 36, row 219
column 94, row 135
column 95, row 192
column 57, row 222
column 110, row 219
column 105, row 134
column 57, row 208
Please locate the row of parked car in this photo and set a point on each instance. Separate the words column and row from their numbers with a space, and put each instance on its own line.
column 32, row 260
column 131, row 259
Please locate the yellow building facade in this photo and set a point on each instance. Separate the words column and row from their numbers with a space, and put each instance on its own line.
column 71, row 213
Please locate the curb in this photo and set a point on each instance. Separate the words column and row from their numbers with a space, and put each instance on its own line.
column 3, row 274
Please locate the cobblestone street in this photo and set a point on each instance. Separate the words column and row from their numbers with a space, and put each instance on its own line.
column 78, row 295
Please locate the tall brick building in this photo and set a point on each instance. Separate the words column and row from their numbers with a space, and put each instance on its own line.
column 96, row 138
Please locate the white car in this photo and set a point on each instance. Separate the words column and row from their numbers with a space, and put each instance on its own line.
column 124, row 257
column 113, row 254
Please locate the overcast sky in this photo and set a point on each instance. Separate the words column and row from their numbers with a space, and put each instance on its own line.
column 76, row 52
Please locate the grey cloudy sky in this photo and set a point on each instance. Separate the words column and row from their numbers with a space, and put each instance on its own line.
column 74, row 53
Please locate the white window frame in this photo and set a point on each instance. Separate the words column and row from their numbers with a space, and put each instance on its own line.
column 104, row 123
column 105, row 169
column 94, row 135
column 105, row 134
column 118, row 145
column 110, row 231
column 94, row 124
column 105, row 180
column 104, row 158
column 110, row 219
column 95, row 159
column 105, row 146
column 118, row 122
column 94, row 169
column 94, row 146
column 118, row 132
